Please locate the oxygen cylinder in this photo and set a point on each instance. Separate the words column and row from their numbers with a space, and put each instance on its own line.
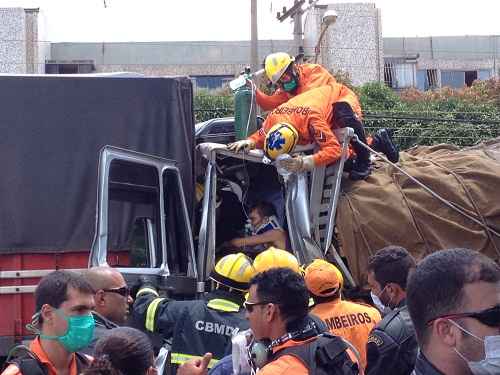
column 245, row 122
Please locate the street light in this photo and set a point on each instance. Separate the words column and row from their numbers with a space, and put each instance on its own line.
column 328, row 18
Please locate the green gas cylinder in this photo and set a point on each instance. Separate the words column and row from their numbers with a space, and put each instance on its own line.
column 245, row 122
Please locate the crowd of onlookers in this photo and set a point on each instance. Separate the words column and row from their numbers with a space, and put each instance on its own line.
column 271, row 315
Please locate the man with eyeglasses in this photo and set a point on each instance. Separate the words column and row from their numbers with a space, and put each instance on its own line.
column 112, row 301
column 287, row 339
column 454, row 302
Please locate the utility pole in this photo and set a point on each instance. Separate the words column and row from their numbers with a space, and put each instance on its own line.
column 295, row 12
column 254, row 50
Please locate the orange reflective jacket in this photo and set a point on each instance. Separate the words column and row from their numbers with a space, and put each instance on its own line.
column 311, row 76
column 291, row 365
column 311, row 115
column 352, row 321
column 36, row 348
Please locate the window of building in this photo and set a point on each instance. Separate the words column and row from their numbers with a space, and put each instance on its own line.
column 484, row 74
column 69, row 67
column 427, row 79
column 470, row 76
column 211, row 81
column 399, row 73
column 452, row 78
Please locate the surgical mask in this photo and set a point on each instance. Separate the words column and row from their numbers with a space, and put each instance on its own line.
column 79, row 333
column 490, row 365
column 378, row 303
column 383, row 308
column 290, row 86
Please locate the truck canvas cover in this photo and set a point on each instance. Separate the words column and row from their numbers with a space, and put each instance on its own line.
column 388, row 205
column 51, row 131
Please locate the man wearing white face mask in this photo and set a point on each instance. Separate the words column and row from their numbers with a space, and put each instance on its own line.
column 454, row 302
column 392, row 345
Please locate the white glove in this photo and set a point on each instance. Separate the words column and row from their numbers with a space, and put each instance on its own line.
column 244, row 145
column 298, row 164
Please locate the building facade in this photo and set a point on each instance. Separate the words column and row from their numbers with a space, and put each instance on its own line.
column 23, row 48
column 431, row 62
column 352, row 44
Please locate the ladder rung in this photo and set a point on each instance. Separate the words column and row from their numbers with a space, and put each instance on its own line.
column 330, row 180
column 322, row 234
column 323, row 220
column 324, row 207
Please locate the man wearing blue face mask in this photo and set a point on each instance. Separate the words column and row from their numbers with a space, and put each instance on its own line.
column 63, row 324
column 392, row 345
column 454, row 302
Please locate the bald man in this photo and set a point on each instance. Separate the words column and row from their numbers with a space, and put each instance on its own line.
column 112, row 301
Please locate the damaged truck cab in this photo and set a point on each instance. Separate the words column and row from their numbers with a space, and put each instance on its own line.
column 310, row 202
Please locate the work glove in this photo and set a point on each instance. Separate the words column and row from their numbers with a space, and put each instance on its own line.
column 298, row 164
column 244, row 145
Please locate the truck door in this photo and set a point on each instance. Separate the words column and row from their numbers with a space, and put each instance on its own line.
column 142, row 224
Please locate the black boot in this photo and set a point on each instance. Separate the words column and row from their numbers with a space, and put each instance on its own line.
column 360, row 170
column 382, row 142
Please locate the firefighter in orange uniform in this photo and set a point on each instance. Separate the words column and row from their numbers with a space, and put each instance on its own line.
column 352, row 321
column 287, row 341
column 292, row 79
column 306, row 118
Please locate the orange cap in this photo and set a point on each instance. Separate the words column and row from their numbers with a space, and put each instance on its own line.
column 323, row 279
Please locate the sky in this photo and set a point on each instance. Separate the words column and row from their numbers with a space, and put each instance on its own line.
column 191, row 20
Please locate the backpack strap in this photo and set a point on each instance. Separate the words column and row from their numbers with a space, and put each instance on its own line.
column 83, row 361
column 325, row 355
column 27, row 361
column 332, row 353
column 305, row 353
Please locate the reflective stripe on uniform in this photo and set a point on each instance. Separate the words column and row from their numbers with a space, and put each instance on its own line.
column 151, row 312
column 223, row 305
column 147, row 290
column 180, row 358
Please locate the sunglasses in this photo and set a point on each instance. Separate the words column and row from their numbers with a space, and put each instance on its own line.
column 250, row 305
column 123, row 291
column 489, row 317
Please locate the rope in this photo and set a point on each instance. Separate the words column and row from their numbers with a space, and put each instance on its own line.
column 412, row 215
column 429, row 190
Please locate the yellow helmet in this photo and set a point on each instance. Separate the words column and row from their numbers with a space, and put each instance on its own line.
column 276, row 64
column 273, row 257
column 280, row 139
column 234, row 271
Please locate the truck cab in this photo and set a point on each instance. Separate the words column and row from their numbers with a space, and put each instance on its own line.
column 310, row 201
column 141, row 196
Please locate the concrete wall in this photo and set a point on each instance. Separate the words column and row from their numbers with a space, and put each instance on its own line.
column 21, row 50
column 354, row 42
column 12, row 40
column 168, row 58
